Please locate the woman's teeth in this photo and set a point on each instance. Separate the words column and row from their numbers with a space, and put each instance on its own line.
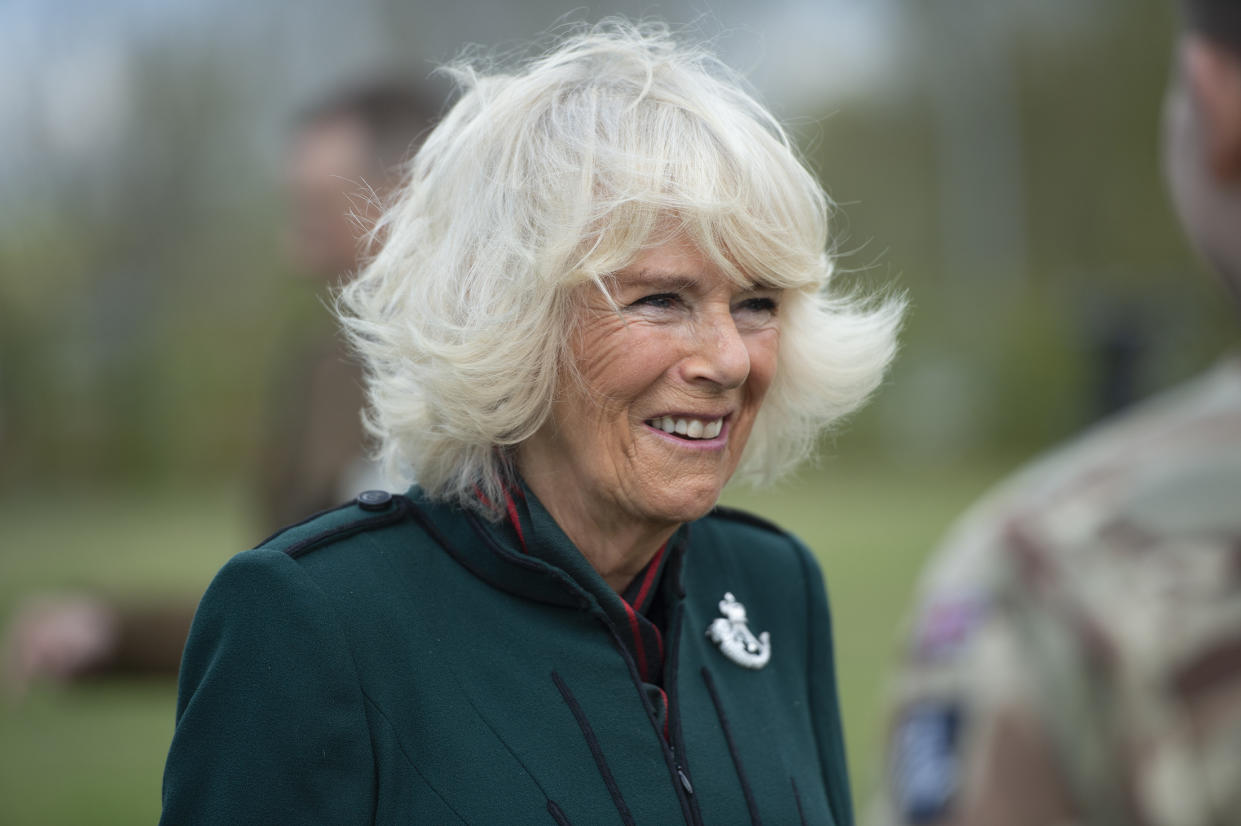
column 689, row 428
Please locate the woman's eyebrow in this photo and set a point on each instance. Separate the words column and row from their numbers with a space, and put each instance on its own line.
column 673, row 282
column 669, row 281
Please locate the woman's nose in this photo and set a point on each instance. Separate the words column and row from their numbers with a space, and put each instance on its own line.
column 719, row 354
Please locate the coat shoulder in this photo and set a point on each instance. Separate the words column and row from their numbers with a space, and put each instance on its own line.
column 370, row 511
column 754, row 541
column 738, row 516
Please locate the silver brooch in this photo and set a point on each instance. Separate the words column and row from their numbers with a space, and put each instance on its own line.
column 731, row 633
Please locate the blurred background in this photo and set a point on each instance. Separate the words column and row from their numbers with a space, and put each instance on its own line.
column 999, row 162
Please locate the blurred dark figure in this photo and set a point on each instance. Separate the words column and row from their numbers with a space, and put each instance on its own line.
column 346, row 156
column 1076, row 656
column 346, row 153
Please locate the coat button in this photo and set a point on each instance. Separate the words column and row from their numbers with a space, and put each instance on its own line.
column 689, row 787
column 374, row 500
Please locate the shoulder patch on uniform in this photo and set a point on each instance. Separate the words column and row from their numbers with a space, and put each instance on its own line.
column 336, row 524
column 925, row 763
column 745, row 517
column 946, row 622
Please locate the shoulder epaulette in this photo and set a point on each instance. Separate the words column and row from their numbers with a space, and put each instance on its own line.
column 371, row 510
column 746, row 518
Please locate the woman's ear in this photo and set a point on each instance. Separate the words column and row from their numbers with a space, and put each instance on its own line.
column 1214, row 76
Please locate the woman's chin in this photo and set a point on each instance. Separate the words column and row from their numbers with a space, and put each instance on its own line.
column 680, row 505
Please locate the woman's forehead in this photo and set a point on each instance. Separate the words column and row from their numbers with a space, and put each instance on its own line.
column 669, row 280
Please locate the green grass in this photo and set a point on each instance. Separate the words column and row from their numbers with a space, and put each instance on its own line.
column 94, row 753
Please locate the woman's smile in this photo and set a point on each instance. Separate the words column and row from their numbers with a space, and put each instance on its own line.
column 691, row 430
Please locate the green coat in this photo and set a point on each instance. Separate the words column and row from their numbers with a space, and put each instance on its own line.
column 398, row 661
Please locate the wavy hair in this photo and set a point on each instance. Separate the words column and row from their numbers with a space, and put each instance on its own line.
column 553, row 175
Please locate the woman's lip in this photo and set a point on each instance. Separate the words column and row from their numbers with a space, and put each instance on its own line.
column 694, row 444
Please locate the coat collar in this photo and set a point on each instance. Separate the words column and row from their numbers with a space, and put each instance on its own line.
column 527, row 554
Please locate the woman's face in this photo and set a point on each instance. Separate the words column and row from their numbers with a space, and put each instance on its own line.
column 670, row 387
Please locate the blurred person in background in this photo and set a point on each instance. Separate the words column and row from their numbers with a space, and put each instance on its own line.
column 1076, row 652
column 345, row 156
column 604, row 289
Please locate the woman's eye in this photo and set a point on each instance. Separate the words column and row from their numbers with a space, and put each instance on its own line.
column 658, row 301
column 760, row 305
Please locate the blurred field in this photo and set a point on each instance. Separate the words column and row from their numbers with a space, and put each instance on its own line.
column 94, row 754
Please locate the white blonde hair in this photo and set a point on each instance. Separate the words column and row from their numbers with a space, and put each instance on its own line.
column 558, row 174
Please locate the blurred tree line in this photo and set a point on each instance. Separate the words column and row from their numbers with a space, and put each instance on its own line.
column 138, row 283
column 1008, row 181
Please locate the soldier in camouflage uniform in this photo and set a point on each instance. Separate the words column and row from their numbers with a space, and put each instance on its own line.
column 1076, row 653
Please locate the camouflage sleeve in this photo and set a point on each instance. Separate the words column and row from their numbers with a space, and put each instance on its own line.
column 1136, row 628
column 964, row 742
column 1054, row 680
column 1076, row 652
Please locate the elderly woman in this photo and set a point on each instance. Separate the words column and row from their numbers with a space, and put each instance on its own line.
column 600, row 296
